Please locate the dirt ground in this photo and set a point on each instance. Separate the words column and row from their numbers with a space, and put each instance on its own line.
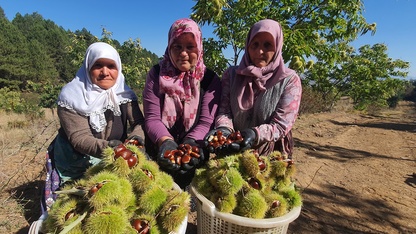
column 357, row 172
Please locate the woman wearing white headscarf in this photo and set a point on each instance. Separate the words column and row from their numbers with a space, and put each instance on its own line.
column 95, row 110
column 261, row 96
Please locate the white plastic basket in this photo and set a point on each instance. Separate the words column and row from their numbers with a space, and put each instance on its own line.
column 211, row 221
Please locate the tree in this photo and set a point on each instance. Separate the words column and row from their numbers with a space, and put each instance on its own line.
column 49, row 41
column 308, row 25
column 135, row 66
column 372, row 76
column 317, row 37
column 367, row 75
column 15, row 56
column 40, row 57
column 136, row 61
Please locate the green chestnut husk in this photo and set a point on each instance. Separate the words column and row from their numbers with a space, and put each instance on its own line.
column 174, row 211
column 292, row 196
column 230, row 182
column 109, row 219
column 202, row 185
column 278, row 168
column 114, row 190
column 249, row 162
column 152, row 200
column 278, row 205
column 66, row 213
column 251, row 205
column 225, row 203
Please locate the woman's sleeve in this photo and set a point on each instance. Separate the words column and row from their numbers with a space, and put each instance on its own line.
column 285, row 114
column 224, row 117
column 78, row 131
column 209, row 108
column 135, row 118
column 153, row 124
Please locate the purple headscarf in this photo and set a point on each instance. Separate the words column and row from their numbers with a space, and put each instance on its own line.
column 260, row 78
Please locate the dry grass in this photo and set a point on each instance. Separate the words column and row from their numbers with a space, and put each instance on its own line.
column 23, row 145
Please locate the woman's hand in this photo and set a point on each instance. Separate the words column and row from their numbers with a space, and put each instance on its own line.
column 249, row 138
column 211, row 134
column 165, row 163
column 195, row 162
column 114, row 143
column 135, row 139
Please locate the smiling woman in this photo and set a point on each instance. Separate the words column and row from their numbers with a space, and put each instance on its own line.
column 95, row 110
column 180, row 100
column 261, row 96
column 184, row 52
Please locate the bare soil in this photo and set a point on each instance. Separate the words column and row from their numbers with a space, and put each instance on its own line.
column 357, row 171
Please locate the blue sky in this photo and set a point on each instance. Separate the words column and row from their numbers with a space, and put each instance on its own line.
column 150, row 21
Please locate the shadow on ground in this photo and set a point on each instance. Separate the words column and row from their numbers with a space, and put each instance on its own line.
column 29, row 197
column 328, row 216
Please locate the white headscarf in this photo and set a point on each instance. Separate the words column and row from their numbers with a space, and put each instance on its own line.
column 89, row 99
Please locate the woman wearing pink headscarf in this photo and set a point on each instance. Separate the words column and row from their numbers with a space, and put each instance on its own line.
column 261, row 96
column 180, row 99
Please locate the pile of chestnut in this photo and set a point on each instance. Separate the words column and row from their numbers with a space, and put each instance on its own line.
column 183, row 154
column 219, row 140
column 128, row 155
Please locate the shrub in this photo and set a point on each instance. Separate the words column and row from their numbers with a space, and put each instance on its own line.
column 13, row 101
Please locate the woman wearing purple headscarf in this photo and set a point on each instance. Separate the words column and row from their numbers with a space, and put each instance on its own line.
column 180, row 99
column 261, row 96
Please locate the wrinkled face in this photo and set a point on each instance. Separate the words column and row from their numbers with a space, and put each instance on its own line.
column 104, row 73
column 262, row 49
column 184, row 52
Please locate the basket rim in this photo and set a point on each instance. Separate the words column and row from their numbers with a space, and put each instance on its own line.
column 209, row 208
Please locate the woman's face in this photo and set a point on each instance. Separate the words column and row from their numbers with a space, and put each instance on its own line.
column 262, row 49
column 184, row 52
column 104, row 73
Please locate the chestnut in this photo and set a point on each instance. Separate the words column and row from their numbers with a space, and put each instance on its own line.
column 195, row 155
column 167, row 154
column 186, row 158
column 275, row 204
column 148, row 173
column 261, row 164
column 254, row 183
column 93, row 190
column 125, row 154
column 132, row 161
column 195, row 149
column 70, row 214
column 142, row 226
column 99, row 185
column 119, row 148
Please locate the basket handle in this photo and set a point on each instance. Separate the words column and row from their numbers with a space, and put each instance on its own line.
column 207, row 206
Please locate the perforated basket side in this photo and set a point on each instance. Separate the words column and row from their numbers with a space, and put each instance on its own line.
column 210, row 221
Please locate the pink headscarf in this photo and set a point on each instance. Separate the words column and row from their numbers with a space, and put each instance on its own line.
column 181, row 89
column 255, row 78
